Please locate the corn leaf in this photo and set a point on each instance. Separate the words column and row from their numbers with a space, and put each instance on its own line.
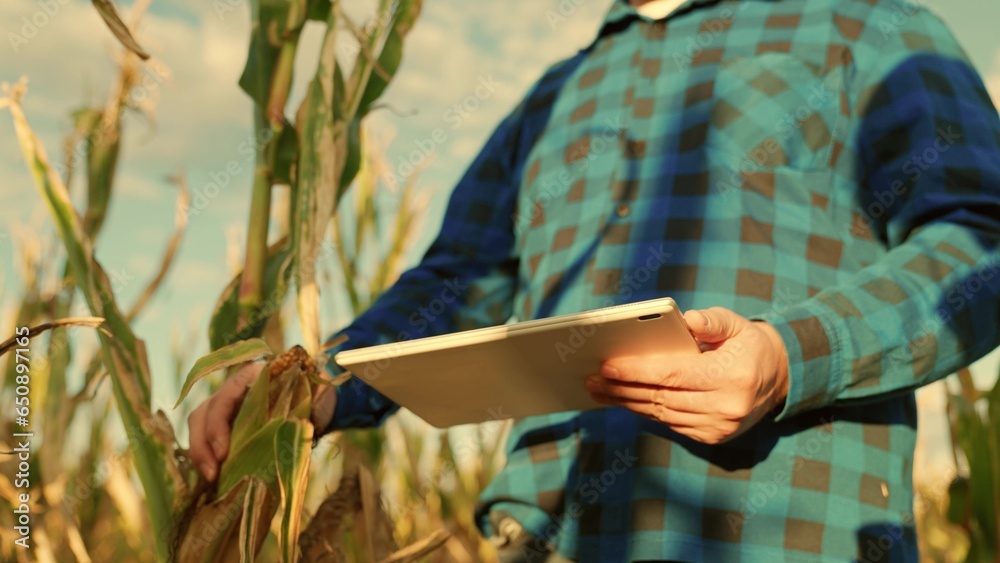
column 92, row 322
column 249, row 529
column 214, row 532
column 416, row 551
column 229, row 356
column 283, row 152
column 249, row 453
column 282, row 391
column 975, row 442
column 292, row 447
column 252, row 419
column 403, row 18
column 319, row 10
column 374, row 526
column 352, row 160
column 110, row 16
column 225, row 326
column 57, row 417
column 102, row 138
column 266, row 446
column 273, row 23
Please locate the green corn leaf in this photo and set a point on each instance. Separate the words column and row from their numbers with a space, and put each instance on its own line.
column 225, row 327
column 103, row 147
column 110, row 16
column 270, row 442
column 352, row 160
column 284, row 151
column 253, row 417
column 292, row 447
column 319, row 10
column 229, row 356
column 993, row 433
column 405, row 15
column 57, row 417
column 975, row 440
column 958, row 501
column 262, row 410
column 268, row 19
column 256, row 451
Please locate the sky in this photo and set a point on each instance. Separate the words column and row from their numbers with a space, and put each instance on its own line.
column 203, row 125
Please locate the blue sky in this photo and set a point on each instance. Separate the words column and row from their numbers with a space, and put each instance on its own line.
column 203, row 121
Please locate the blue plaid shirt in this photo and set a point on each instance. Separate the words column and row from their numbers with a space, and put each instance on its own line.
column 829, row 166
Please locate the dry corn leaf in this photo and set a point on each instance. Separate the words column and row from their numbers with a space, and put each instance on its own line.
column 92, row 322
column 110, row 16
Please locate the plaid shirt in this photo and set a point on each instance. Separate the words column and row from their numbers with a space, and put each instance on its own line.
column 830, row 166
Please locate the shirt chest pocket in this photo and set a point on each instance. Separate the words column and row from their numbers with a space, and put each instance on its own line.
column 776, row 110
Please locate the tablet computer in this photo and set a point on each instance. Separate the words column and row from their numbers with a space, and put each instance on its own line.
column 520, row 369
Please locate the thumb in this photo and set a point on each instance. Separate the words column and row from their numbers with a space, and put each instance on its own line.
column 713, row 325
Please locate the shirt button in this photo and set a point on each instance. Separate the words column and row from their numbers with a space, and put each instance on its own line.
column 622, row 210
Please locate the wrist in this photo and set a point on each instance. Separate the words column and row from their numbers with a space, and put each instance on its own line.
column 779, row 369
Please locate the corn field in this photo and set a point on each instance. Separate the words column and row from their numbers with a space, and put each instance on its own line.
column 404, row 492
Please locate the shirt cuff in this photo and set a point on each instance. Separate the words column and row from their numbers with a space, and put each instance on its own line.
column 814, row 346
column 358, row 404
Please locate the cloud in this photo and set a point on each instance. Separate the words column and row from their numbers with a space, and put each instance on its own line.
column 68, row 55
column 456, row 48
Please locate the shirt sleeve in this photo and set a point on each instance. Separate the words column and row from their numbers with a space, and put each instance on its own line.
column 465, row 280
column 928, row 171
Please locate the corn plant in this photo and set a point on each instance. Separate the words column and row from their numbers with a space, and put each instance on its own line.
column 974, row 495
column 941, row 541
column 386, row 497
column 78, row 504
column 317, row 157
column 123, row 354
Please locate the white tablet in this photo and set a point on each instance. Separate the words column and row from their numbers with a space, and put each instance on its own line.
column 517, row 370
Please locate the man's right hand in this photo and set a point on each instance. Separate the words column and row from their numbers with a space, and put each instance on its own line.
column 211, row 423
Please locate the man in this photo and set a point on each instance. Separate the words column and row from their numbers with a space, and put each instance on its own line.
column 817, row 183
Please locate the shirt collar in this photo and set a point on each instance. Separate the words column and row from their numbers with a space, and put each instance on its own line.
column 622, row 11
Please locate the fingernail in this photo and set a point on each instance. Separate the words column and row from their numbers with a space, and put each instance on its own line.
column 208, row 471
column 609, row 371
column 699, row 317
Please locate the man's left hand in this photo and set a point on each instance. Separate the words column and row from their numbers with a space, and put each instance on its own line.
column 740, row 376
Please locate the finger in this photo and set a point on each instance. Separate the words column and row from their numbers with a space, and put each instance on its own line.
column 713, row 325
column 675, row 372
column 678, row 400
column 323, row 408
column 710, row 437
column 222, row 408
column 658, row 412
column 199, row 450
